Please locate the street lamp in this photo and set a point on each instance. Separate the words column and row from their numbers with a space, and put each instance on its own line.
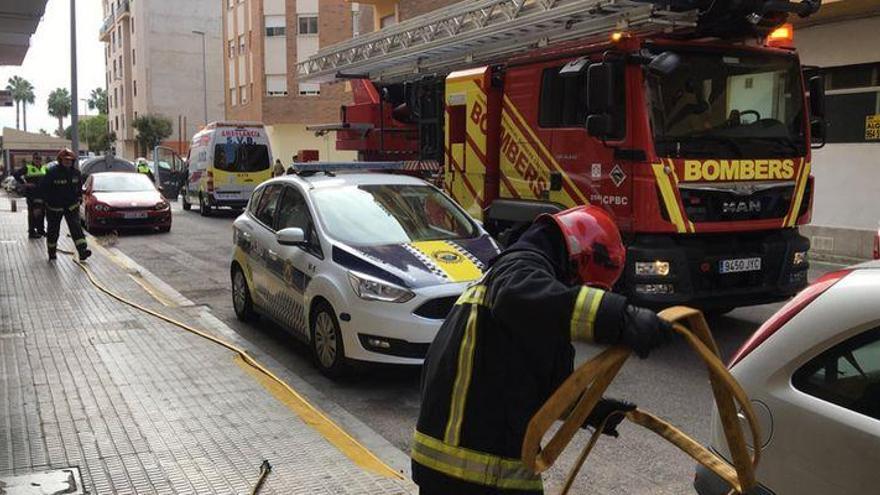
column 204, row 72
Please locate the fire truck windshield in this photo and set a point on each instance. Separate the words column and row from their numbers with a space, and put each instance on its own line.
column 728, row 106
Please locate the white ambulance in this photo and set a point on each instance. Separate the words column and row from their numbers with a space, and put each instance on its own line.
column 227, row 160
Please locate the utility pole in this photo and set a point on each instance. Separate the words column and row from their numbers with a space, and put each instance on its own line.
column 74, row 99
column 204, row 72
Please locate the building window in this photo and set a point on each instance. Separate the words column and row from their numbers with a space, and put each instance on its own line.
column 230, row 48
column 113, row 39
column 135, row 115
column 233, row 97
column 244, row 94
column 852, row 100
column 388, row 20
column 309, row 89
column 308, row 24
column 116, row 122
column 355, row 23
column 132, row 25
column 133, row 57
column 123, row 122
column 276, row 31
column 241, row 45
column 276, row 85
column 135, row 87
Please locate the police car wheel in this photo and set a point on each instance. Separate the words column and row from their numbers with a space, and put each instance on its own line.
column 327, row 345
column 241, row 296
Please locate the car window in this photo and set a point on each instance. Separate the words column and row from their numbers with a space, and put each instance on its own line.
column 255, row 201
column 294, row 213
column 268, row 205
column 848, row 374
column 373, row 215
column 121, row 183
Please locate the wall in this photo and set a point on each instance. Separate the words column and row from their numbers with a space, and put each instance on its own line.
column 288, row 139
column 847, row 174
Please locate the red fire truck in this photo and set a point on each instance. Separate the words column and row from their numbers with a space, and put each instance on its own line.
column 689, row 121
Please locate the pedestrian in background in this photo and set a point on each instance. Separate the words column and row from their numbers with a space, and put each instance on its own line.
column 61, row 189
column 30, row 176
column 278, row 170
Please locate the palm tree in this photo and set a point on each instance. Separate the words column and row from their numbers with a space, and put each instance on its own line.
column 98, row 100
column 59, row 107
column 15, row 87
column 27, row 98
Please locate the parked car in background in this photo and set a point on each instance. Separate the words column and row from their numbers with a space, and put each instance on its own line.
column 227, row 160
column 123, row 200
column 105, row 164
column 361, row 266
column 10, row 185
column 813, row 374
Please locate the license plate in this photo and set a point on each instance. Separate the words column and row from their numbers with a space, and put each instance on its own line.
column 135, row 214
column 739, row 265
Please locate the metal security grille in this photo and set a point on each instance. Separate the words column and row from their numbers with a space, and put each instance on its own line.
column 481, row 32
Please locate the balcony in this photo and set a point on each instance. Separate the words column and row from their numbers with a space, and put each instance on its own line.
column 116, row 13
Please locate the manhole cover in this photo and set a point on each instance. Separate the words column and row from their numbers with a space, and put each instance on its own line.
column 55, row 482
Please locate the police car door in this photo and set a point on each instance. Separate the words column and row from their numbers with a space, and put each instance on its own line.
column 264, row 254
column 295, row 266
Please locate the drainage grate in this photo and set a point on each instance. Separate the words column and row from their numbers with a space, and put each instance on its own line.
column 55, row 482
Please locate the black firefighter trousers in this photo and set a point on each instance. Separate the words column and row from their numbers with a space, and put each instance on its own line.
column 36, row 216
column 71, row 215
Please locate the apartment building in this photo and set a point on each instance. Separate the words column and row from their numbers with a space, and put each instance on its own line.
column 158, row 62
column 263, row 41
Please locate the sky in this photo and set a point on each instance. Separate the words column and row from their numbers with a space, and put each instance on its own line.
column 47, row 64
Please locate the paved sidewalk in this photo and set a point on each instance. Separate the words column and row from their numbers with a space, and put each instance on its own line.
column 139, row 405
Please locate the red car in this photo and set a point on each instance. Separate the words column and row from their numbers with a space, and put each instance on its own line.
column 123, row 200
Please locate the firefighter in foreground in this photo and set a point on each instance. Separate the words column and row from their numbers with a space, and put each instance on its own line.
column 30, row 176
column 61, row 189
column 506, row 347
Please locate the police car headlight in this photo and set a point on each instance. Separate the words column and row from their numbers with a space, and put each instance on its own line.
column 373, row 289
column 652, row 268
column 162, row 205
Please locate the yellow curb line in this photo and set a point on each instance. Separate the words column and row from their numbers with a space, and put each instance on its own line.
column 283, row 392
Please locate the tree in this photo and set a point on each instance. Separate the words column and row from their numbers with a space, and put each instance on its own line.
column 16, row 86
column 59, row 107
column 152, row 130
column 98, row 100
column 27, row 98
column 94, row 131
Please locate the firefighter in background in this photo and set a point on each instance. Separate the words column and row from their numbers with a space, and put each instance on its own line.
column 61, row 189
column 506, row 347
column 30, row 175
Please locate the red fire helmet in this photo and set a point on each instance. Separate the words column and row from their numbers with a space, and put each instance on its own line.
column 593, row 243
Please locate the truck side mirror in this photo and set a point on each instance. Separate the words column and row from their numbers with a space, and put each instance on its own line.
column 600, row 88
column 817, row 111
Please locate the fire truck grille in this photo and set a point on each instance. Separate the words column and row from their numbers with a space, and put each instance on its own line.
column 727, row 205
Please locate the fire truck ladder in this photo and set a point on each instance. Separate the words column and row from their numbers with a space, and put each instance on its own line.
column 479, row 32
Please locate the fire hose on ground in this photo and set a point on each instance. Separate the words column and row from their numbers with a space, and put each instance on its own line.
column 579, row 394
column 339, row 435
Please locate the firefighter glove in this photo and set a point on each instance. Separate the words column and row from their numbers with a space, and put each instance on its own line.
column 605, row 412
column 643, row 330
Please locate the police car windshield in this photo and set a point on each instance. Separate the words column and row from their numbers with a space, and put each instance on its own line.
column 374, row 215
column 124, row 182
column 241, row 157
column 728, row 106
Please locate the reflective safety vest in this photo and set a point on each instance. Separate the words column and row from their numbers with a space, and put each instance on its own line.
column 143, row 168
column 34, row 173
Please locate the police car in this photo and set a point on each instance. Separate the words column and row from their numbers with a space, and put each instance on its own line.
column 361, row 266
